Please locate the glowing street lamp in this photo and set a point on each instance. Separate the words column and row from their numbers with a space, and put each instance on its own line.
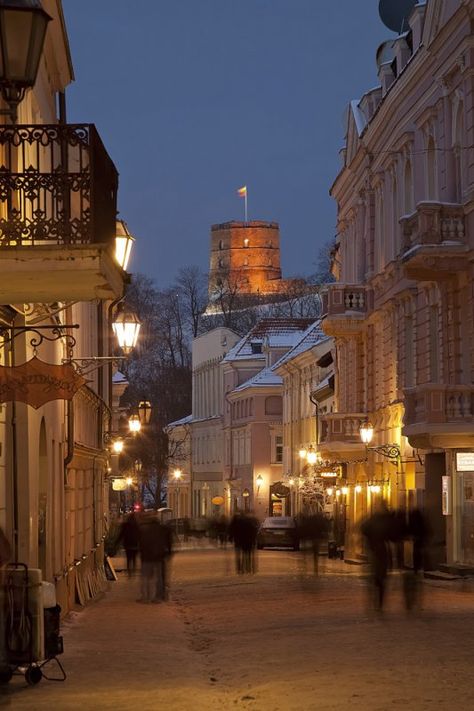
column 117, row 446
column 123, row 244
column 126, row 327
column 366, row 432
column 134, row 424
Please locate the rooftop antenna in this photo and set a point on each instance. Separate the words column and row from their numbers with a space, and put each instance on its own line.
column 395, row 13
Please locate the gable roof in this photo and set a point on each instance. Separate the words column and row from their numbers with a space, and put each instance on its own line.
column 313, row 335
column 265, row 378
column 271, row 332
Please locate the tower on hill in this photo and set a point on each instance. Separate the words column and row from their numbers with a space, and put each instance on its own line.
column 247, row 254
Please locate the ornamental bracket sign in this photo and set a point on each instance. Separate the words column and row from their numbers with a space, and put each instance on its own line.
column 36, row 382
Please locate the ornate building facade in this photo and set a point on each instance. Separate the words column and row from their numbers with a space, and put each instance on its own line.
column 401, row 312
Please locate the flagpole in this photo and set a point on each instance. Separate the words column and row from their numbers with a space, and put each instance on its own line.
column 246, row 212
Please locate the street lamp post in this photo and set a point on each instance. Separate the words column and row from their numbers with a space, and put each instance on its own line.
column 23, row 26
column 177, row 476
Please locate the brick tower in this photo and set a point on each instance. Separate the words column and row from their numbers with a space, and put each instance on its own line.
column 247, row 253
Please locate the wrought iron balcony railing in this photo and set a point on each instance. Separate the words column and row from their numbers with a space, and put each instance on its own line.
column 58, row 186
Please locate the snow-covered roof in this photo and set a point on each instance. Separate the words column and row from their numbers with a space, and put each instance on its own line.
column 359, row 117
column 119, row 378
column 265, row 378
column 271, row 332
column 183, row 421
column 310, row 338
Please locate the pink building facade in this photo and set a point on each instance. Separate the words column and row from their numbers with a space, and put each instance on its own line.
column 402, row 310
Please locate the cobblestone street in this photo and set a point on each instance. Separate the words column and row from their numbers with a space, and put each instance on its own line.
column 280, row 640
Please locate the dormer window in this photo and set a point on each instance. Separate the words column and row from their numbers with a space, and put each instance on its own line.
column 246, row 242
column 256, row 348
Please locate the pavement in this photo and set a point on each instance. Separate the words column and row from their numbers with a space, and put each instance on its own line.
column 280, row 640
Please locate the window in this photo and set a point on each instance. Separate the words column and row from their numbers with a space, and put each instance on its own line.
column 246, row 242
column 279, row 449
column 256, row 347
column 221, row 244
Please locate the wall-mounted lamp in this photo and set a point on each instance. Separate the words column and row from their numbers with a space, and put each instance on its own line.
column 144, row 412
column 134, row 424
column 22, row 32
column 391, row 451
column 259, row 482
column 123, row 244
column 126, row 327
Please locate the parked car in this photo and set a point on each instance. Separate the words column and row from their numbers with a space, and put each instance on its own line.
column 278, row 532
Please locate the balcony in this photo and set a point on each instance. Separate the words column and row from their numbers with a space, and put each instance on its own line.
column 345, row 309
column 340, row 434
column 439, row 415
column 434, row 241
column 58, row 201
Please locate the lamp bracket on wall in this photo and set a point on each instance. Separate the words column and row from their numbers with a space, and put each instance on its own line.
column 9, row 333
column 84, row 366
column 391, row 451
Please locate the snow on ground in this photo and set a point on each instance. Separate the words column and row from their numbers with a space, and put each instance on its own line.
column 281, row 640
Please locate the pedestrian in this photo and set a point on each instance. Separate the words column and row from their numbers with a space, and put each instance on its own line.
column 155, row 543
column 418, row 532
column 243, row 530
column 129, row 535
column 377, row 530
column 314, row 529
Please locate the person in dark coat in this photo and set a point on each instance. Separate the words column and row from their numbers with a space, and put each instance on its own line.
column 128, row 535
column 313, row 528
column 377, row 530
column 243, row 530
column 155, row 542
column 418, row 532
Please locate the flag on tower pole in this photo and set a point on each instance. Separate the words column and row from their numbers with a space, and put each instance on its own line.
column 242, row 192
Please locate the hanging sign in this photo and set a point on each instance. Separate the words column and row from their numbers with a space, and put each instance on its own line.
column 36, row 382
column 217, row 500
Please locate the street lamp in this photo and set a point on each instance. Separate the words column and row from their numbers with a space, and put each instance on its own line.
column 177, row 476
column 259, row 482
column 391, row 451
column 144, row 412
column 134, row 424
column 23, row 26
column 126, row 327
column 117, row 445
column 123, row 244
column 303, row 452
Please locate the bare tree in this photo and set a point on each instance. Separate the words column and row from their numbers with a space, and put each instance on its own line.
column 192, row 285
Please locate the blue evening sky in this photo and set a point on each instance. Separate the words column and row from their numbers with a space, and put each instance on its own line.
column 195, row 98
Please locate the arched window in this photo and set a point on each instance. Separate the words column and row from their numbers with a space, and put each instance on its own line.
column 221, row 244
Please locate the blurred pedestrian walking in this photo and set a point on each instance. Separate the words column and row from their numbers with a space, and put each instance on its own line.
column 377, row 530
column 418, row 531
column 312, row 529
column 243, row 531
column 129, row 537
column 155, row 542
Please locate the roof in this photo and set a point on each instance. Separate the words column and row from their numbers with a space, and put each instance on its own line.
column 272, row 332
column 265, row 378
column 310, row 338
column 183, row 421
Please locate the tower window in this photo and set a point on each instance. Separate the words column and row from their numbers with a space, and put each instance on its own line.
column 221, row 244
column 246, row 242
